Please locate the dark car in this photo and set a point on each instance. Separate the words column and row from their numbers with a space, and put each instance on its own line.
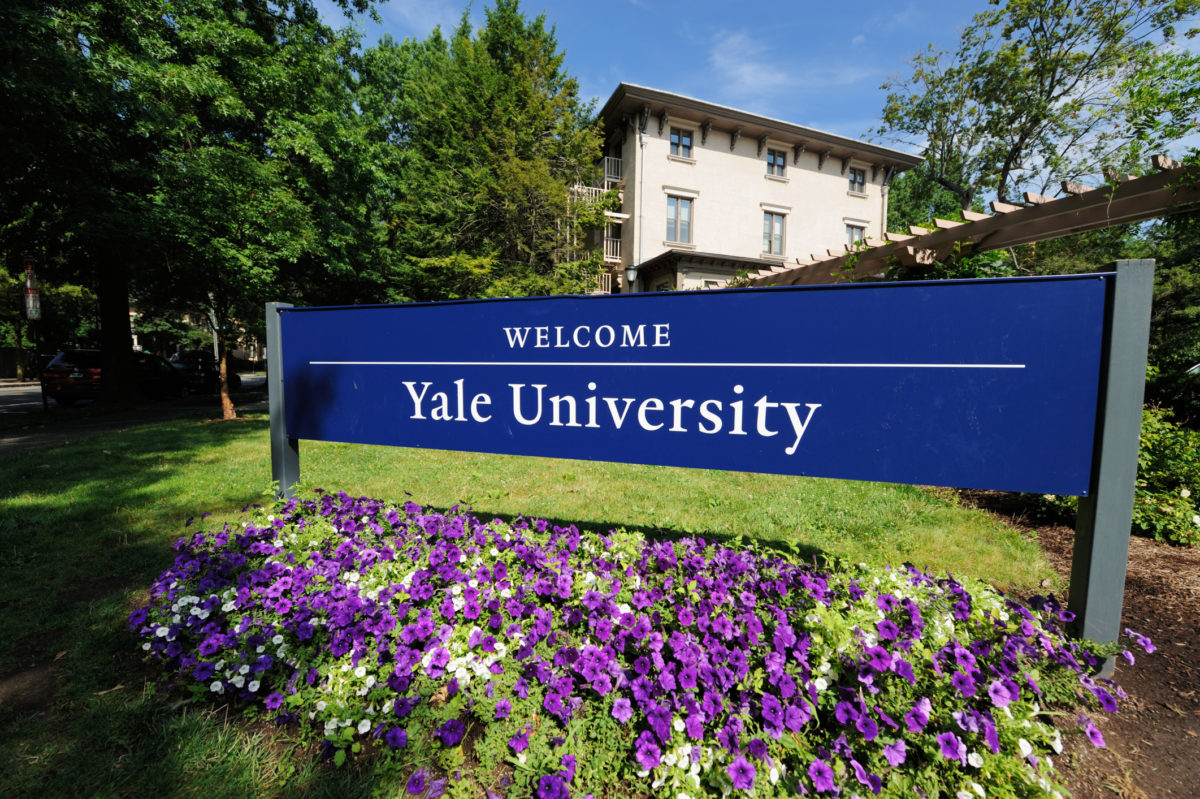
column 74, row 375
column 201, row 371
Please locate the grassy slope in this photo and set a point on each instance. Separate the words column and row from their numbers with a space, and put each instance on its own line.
column 84, row 529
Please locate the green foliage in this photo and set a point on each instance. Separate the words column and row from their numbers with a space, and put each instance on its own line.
column 1038, row 92
column 487, row 137
column 1166, row 502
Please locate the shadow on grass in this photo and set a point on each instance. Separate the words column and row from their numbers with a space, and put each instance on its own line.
column 84, row 530
column 794, row 550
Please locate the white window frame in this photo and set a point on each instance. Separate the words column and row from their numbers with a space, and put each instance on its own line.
column 861, row 190
column 776, row 163
column 774, row 231
column 675, row 149
column 674, row 221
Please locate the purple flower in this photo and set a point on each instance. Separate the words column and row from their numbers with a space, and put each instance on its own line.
column 622, row 709
column 1094, row 734
column 503, row 708
column 451, row 732
column 1106, row 699
column 646, row 751
column 822, row 776
column 952, row 748
column 519, row 742
column 964, row 683
column 741, row 771
column 887, row 629
column 895, row 752
column 552, row 786
column 1000, row 693
column 396, row 738
column 867, row 726
column 416, row 783
column 568, row 764
column 274, row 701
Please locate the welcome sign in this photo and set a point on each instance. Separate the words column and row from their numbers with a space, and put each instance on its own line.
column 978, row 384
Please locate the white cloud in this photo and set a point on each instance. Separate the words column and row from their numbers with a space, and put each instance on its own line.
column 859, row 39
column 748, row 74
column 418, row 18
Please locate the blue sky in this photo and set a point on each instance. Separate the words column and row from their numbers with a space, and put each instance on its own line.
column 818, row 64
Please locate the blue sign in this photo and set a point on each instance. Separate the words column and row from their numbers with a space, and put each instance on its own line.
column 973, row 384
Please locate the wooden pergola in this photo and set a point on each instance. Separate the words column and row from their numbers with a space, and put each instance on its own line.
column 1173, row 188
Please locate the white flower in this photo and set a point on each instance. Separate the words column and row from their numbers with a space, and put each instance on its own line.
column 1056, row 744
column 364, row 727
column 321, row 705
column 253, row 686
column 360, row 672
column 975, row 759
column 1185, row 493
column 161, row 632
column 1023, row 745
column 1196, row 519
column 678, row 725
column 217, row 687
column 820, row 683
column 977, row 788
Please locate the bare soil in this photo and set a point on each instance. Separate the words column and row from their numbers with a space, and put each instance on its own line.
column 1153, row 741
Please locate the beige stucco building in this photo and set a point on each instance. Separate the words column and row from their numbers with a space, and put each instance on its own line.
column 709, row 191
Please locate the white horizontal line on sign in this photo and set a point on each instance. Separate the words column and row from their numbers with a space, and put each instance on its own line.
column 693, row 365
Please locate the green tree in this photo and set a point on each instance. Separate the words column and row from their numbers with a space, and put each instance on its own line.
column 171, row 144
column 1039, row 92
column 489, row 138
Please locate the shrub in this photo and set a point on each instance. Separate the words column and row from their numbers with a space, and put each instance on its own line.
column 524, row 659
column 1165, row 500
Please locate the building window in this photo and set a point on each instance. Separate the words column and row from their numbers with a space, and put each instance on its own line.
column 858, row 180
column 679, row 219
column 681, row 142
column 776, row 162
column 772, row 233
column 854, row 235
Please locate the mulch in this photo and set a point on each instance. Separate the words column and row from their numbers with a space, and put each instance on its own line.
column 1153, row 741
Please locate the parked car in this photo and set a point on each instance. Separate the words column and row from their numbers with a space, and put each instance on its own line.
column 74, row 375
column 201, row 371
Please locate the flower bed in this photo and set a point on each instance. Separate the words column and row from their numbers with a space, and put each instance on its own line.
column 523, row 659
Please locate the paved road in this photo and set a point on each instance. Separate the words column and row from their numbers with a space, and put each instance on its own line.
column 24, row 425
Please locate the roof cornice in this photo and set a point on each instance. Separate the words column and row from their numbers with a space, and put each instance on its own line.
column 630, row 97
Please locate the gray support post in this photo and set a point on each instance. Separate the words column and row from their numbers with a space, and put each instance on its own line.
column 285, row 452
column 1101, row 552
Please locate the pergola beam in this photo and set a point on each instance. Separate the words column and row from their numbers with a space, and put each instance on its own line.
column 1165, row 192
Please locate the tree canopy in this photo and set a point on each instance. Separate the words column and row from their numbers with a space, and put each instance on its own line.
column 1038, row 92
column 208, row 155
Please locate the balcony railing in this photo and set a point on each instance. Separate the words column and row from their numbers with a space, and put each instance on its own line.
column 590, row 193
column 612, row 170
column 612, row 250
column 604, row 283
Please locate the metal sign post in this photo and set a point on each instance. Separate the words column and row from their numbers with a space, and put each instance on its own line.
column 285, row 451
column 1101, row 551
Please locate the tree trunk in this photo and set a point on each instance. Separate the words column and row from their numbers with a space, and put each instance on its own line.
column 228, row 412
column 116, row 342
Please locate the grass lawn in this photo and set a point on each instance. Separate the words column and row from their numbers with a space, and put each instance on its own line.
column 85, row 528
